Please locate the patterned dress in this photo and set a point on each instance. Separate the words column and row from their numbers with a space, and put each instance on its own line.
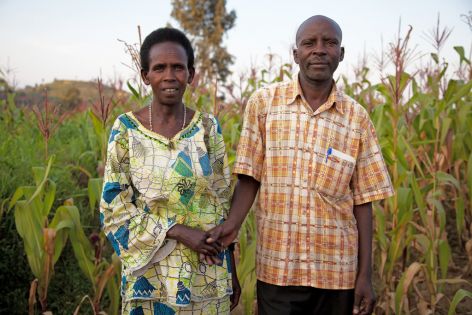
column 150, row 184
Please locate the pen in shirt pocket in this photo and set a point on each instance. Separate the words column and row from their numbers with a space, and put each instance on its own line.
column 328, row 153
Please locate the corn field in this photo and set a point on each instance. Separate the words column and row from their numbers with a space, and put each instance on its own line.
column 51, row 165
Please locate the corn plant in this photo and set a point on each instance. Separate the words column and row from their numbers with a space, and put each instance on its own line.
column 99, row 115
column 43, row 240
column 48, row 121
column 247, row 263
column 423, row 123
column 101, row 273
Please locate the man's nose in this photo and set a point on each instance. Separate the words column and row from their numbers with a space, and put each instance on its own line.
column 319, row 48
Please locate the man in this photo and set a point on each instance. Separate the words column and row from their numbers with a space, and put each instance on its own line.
column 313, row 153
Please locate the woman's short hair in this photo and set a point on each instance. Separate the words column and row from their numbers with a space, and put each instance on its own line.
column 166, row 34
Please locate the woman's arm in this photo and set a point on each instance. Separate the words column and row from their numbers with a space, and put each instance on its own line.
column 135, row 233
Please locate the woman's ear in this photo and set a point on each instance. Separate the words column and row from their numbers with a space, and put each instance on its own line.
column 191, row 72
column 144, row 74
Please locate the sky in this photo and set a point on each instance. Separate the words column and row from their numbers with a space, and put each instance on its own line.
column 78, row 40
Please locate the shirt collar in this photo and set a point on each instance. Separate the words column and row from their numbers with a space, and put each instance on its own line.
column 335, row 97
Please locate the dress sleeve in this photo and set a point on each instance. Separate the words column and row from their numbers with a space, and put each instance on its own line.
column 136, row 234
column 219, row 162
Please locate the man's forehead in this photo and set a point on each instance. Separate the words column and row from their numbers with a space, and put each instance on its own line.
column 317, row 23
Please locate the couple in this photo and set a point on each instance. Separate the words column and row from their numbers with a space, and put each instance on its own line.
column 308, row 149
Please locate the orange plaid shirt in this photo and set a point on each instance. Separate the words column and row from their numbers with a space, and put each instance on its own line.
column 313, row 168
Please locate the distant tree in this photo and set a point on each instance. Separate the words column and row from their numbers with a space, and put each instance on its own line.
column 206, row 22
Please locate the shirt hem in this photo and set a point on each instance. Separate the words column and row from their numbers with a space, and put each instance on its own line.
column 303, row 284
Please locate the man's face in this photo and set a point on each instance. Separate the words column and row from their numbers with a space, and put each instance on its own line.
column 318, row 51
column 168, row 73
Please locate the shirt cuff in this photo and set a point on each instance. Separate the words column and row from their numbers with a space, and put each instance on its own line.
column 374, row 195
column 238, row 170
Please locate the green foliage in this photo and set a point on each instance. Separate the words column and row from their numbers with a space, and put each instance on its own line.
column 43, row 241
column 459, row 296
column 74, row 145
column 423, row 123
column 247, row 263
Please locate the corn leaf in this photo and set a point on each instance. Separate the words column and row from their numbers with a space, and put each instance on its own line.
column 40, row 182
column 94, row 192
column 444, row 257
column 31, row 232
column 49, row 196
column 458, row 297
column 404, row 284
column 16, row 196
column 461, row 52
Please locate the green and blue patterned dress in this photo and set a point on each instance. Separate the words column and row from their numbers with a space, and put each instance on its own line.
column 150, row 184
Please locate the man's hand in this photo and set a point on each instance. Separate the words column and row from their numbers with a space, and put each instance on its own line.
column 224, row 233
column 194, row 239
column 236, row 286
column 364, row 297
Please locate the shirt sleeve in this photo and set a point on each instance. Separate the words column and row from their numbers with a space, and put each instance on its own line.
column 136, row 234
column 370, row 180
column 219, row 161
column 250, row 153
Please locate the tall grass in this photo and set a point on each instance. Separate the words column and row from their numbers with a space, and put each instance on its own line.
column 423, row 121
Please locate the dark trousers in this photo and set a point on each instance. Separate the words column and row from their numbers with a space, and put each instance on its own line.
column 285, row 300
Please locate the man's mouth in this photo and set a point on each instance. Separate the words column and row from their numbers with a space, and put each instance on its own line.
column 318, row 64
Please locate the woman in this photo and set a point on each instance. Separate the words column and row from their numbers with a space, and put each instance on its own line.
column 166, row 183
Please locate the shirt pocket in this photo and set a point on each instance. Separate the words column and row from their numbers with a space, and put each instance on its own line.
column 335, row 169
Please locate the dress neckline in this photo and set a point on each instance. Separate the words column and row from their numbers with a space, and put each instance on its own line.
column 160, row 137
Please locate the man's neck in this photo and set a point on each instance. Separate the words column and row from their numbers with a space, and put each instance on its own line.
column 316, row 93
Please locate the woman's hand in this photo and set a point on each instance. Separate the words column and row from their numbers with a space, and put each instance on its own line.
column 194, row 239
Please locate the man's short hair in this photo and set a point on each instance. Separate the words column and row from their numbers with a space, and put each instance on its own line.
column 166, row 34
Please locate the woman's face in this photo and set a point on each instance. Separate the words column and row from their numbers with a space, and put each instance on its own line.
column 168, row 73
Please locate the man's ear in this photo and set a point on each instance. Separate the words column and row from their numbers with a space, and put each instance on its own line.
column 341, row 56
column 191, row 72
column 295, row 55
column 144, row 74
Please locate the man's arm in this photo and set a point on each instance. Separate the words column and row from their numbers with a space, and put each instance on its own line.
column 243, row 197
column 364, row 298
